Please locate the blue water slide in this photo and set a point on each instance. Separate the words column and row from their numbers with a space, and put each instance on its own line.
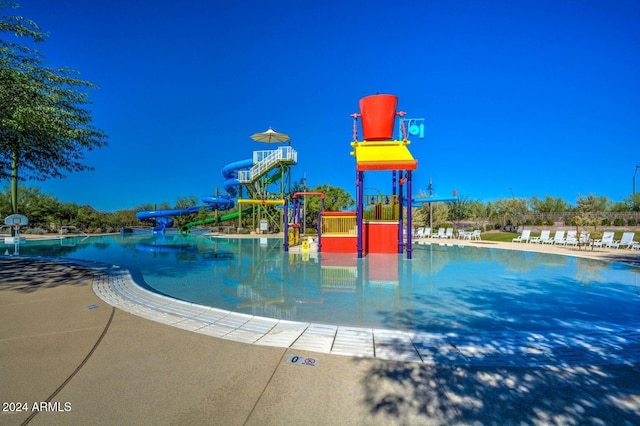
column 162, row 217
column 223, row 202
column 230, row 174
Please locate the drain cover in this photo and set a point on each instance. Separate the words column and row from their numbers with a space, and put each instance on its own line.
column 301, row 360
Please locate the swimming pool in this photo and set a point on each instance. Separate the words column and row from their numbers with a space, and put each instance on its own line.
column 443, row 289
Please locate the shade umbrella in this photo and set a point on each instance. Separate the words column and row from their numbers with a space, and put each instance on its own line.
column 270, row 136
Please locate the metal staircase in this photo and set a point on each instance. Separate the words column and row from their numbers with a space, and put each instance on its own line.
column 263, row 163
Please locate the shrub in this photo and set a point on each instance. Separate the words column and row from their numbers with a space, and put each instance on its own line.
column 606, row 222
column 549, row 222
column 618, row 221
column 632, row 222
column 36, row 231
column 538, row 221
column 528, row 222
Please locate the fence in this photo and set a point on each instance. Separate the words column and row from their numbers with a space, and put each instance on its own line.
column 382, row 208
column 342, row 224
column 513, row 222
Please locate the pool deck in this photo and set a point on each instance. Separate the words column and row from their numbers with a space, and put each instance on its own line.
column 140, row 363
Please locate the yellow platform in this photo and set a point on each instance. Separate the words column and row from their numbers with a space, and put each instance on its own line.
column 383, row 155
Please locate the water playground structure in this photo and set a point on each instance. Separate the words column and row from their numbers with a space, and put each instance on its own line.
column 378, row 223
column 253, row 177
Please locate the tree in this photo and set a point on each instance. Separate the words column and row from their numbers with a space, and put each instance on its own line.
column 633, row 202
column 336, row 199
column 440, row 213
column 512, row 210
column 548, row 204
column 465, row 208
column 45, row 127
column 592, row 204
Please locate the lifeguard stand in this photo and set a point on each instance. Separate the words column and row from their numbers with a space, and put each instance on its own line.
column 377, row 225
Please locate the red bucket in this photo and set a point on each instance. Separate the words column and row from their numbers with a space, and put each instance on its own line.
column 378, row 115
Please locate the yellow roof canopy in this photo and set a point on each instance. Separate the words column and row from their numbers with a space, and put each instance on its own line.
column 386, row 155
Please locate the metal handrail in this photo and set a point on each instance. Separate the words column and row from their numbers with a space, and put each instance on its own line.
column 266, row 160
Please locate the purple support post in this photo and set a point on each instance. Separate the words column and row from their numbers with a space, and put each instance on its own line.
column 409, row 216
column 286, row 226
column 359, row 209
column 400, row 236
column 296, row 211
column 320, row 228
column 393, row 182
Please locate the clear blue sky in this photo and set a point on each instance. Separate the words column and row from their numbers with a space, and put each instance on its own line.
column 535, row 97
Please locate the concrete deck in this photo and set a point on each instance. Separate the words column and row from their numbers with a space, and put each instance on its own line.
column 68, row 357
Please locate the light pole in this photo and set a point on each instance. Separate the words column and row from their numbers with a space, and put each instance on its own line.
column 634, row 178
column 304, row 204
column 430, row 188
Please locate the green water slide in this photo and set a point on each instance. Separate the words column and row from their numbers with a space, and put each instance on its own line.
column 223, row 218
column 274, row 177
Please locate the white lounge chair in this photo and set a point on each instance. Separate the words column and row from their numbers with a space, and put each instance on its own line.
column 420, row 233
column 475, row 235
column 585, row 238
column 544, row 237
column 606, row 240
column 448, row 233
column 464, row 235
column 440, row 234
column 625, row 242
column 558, row 238
column 572, row 238
column 524, row 237
column 427, row 232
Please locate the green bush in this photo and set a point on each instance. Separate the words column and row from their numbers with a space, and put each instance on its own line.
column 35, row 231
column 538, row 221
column 618, row 221
column 549, row 222
column 606, row 222
column 632, row 222
column 528, row 222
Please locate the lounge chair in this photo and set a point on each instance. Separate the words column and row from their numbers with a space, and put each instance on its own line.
column 606, row 240
column 543, row 238
column 572, row 238
column 625, row 242
column 449, row 233
column 464, row 235
column 585, row 238
column 475, row 235
column 558, row 238
column 524, row 237
column 636, row 246
column 420, row 233
column 427, row 232
column 440, row 234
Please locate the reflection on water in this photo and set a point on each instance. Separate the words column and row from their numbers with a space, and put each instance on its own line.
column 445, row 288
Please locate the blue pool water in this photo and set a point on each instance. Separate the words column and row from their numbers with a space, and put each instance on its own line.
column 444, row 288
